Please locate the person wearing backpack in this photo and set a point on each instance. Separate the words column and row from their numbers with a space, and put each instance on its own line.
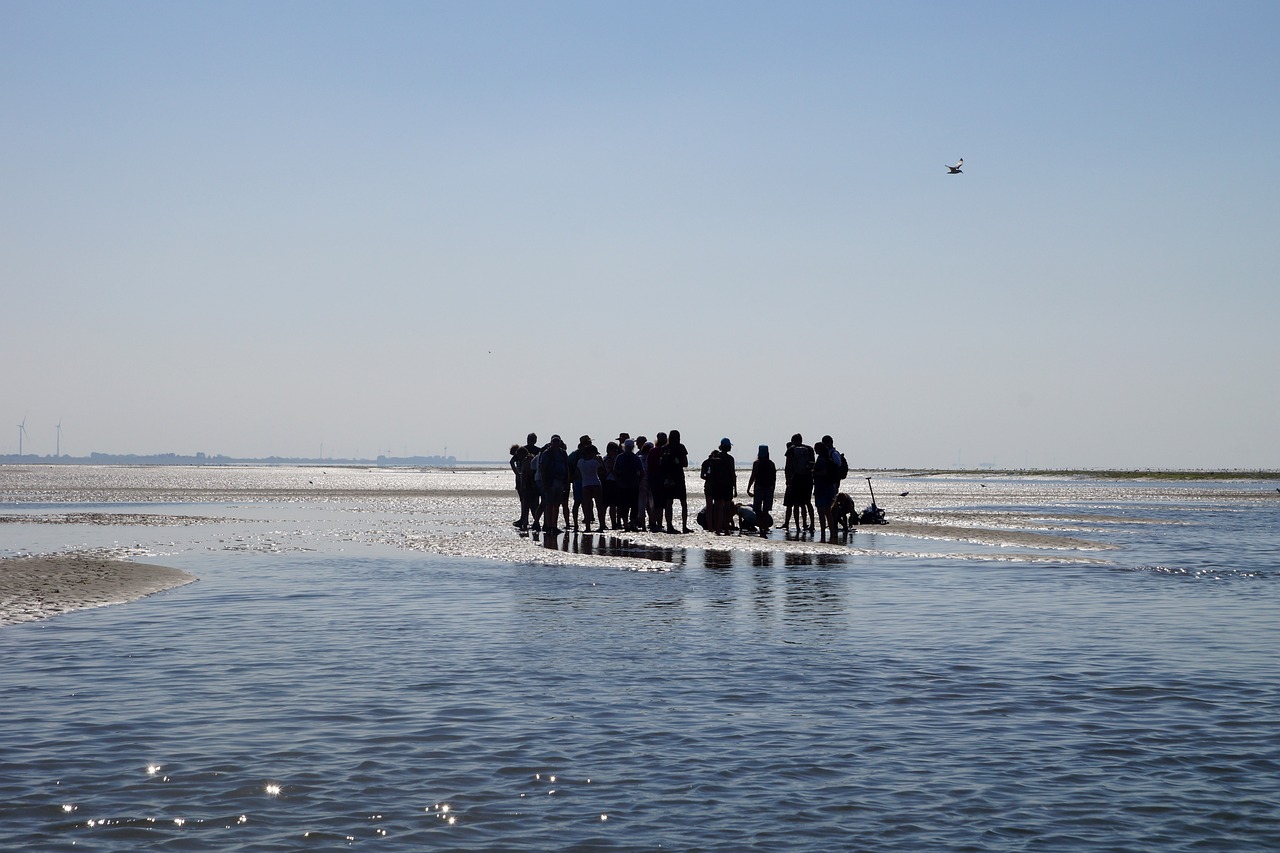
column 825, row 483
column 841, row 469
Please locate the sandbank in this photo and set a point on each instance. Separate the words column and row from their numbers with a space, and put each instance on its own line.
column 38, row 587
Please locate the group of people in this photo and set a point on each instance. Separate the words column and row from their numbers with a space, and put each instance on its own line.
column 636, row 484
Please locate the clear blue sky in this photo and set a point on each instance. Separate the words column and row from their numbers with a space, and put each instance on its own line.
column 260, row 228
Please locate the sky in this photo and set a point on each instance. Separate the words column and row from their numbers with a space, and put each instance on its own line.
column 414, row 228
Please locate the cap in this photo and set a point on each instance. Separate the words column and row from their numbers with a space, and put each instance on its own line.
column 724, row 442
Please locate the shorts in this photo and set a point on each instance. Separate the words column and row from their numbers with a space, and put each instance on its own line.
column 824, row 494
column 674, row 489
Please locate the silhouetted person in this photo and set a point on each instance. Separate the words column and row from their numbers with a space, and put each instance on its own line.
column 760, row 488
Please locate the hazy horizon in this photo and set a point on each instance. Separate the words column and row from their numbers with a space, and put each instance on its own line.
column 417, row 228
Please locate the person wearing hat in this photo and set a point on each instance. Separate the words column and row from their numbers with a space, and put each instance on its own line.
column 764, row 479
column 723, row 488
column 553, row 468
column 576, row 476
column 627, row 470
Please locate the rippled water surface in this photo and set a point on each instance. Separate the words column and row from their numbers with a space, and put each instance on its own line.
column 338, row 688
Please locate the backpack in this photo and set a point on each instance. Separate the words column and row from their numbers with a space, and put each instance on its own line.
column 840, row 465
column 528, row 468
column 552, row 465
column 800, row 460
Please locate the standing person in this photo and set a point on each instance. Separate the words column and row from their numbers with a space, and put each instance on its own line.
column 644, row 514
column 521, row 465
column 799, row 468
column 533, row 481
column 591, row 469
column 516, row 451
column 707, row 465
column 610, row 485
column 764, row 479
column 723, row 481
column 626, row 468
column 657, row 478
column 553, row 469
column 674, row 460
column 840, row 465
column 825, row 483
column 583, row 443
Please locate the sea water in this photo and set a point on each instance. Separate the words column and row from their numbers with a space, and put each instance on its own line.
column 327, row 685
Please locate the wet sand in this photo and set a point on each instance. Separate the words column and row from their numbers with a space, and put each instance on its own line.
column 467, row 514
column 34, row 588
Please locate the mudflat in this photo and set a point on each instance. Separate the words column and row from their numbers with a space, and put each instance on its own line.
column 42, row 586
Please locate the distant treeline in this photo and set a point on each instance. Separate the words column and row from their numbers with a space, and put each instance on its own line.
column 204, row 459
column 1116, row 474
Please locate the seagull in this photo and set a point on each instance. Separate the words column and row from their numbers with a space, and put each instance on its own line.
column 955, row 170
column 904, row 494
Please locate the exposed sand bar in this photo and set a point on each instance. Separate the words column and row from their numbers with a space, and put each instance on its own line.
column 39, row 587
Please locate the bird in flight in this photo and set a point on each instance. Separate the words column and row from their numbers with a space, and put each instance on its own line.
column 955, row 170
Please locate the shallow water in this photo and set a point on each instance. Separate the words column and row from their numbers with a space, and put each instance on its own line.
column 328, row 684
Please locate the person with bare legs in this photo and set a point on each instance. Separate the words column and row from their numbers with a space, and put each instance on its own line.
column 799, row 469
column 723, row 486
column 590, row 468
column 626, row 470
column 611, row 483
column 825, row 484
column 553, row 469
column 675, row 461
column 764, row 479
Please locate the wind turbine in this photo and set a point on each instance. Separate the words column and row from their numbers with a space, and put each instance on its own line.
column 58, row 452
column 22, row 433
